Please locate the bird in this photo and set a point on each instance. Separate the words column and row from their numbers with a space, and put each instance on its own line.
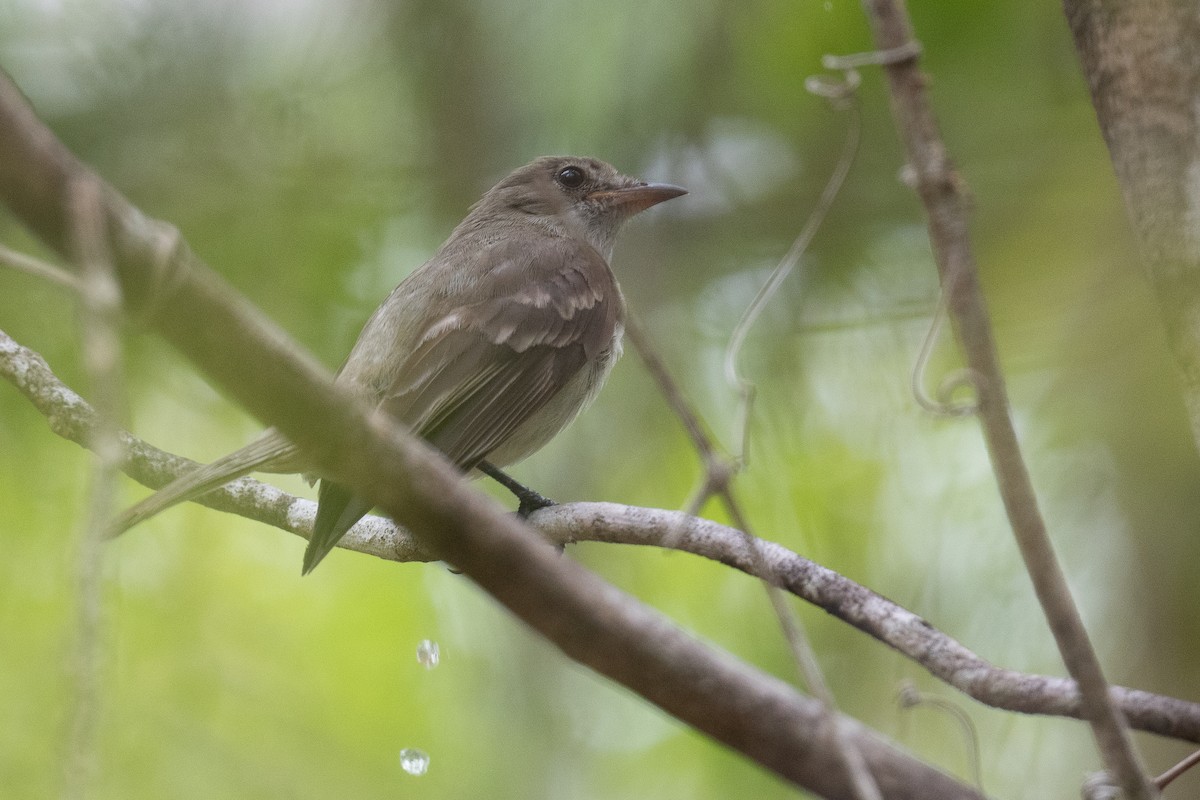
column 487, row 350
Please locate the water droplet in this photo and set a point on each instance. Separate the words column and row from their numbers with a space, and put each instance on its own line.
column 828, row 5
column 414, row 761
column 428, row 654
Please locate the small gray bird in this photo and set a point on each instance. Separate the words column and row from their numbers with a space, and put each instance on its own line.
column 489, row 349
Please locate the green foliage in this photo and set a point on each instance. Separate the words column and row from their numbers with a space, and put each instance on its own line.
column 316, row 152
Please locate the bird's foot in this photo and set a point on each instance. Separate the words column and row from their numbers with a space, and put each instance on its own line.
column 530, row 501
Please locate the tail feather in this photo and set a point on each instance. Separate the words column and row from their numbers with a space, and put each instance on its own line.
column 337, row 511
column 265, row 451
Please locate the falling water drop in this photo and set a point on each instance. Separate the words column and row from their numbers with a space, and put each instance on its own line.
column 413, row 761
column 428, row 654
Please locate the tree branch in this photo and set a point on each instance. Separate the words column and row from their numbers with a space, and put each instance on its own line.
column 589, row 620
column 942, row 191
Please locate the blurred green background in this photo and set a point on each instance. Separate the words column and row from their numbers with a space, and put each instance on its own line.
column 316, row 151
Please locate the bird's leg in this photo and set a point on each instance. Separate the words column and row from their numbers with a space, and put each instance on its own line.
column 529, row 501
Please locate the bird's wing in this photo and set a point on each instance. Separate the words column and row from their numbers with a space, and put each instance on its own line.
column 485, row 368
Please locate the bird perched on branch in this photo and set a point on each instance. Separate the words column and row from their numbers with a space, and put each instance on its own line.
column 489, row 349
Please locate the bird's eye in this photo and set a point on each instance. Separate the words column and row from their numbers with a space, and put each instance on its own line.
column 570, row 177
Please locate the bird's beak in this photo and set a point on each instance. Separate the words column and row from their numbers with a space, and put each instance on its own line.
column 636, row 197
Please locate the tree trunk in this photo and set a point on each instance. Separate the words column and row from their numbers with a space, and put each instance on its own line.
column 1142, row 64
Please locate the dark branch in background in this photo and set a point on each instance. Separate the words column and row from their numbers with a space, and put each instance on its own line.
column 945, row 659
column 1140, row 63
column 942, row 192
column 589, row 620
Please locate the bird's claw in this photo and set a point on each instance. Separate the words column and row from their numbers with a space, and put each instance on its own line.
column 529, row 501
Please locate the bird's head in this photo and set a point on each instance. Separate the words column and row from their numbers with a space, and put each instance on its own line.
column 577, row 195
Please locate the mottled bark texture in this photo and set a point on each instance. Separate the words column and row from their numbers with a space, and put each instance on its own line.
column 1142, row 65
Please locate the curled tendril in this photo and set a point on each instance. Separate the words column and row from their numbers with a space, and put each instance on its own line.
column 943, row 404
column 875, row 58
column 909, row 696
column 839, row 93
column 841, row 96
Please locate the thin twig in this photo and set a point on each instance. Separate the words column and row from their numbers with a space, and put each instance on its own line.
column 718, row 475
column 695, row 429
column 943, row 193
column 719, row 470
column 717, row 481
column 21, row 262
column 864, row 786
column 1164, row 780
column 744, row 386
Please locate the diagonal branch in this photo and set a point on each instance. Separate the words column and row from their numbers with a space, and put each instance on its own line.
column 942, row 192
column 588, row 619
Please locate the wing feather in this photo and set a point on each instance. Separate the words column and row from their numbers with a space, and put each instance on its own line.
column 484, row 369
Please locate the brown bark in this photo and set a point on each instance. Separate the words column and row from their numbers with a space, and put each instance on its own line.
column 1142, row 65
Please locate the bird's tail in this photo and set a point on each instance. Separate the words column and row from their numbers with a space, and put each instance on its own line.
column 337, row 512
column 267, row 451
